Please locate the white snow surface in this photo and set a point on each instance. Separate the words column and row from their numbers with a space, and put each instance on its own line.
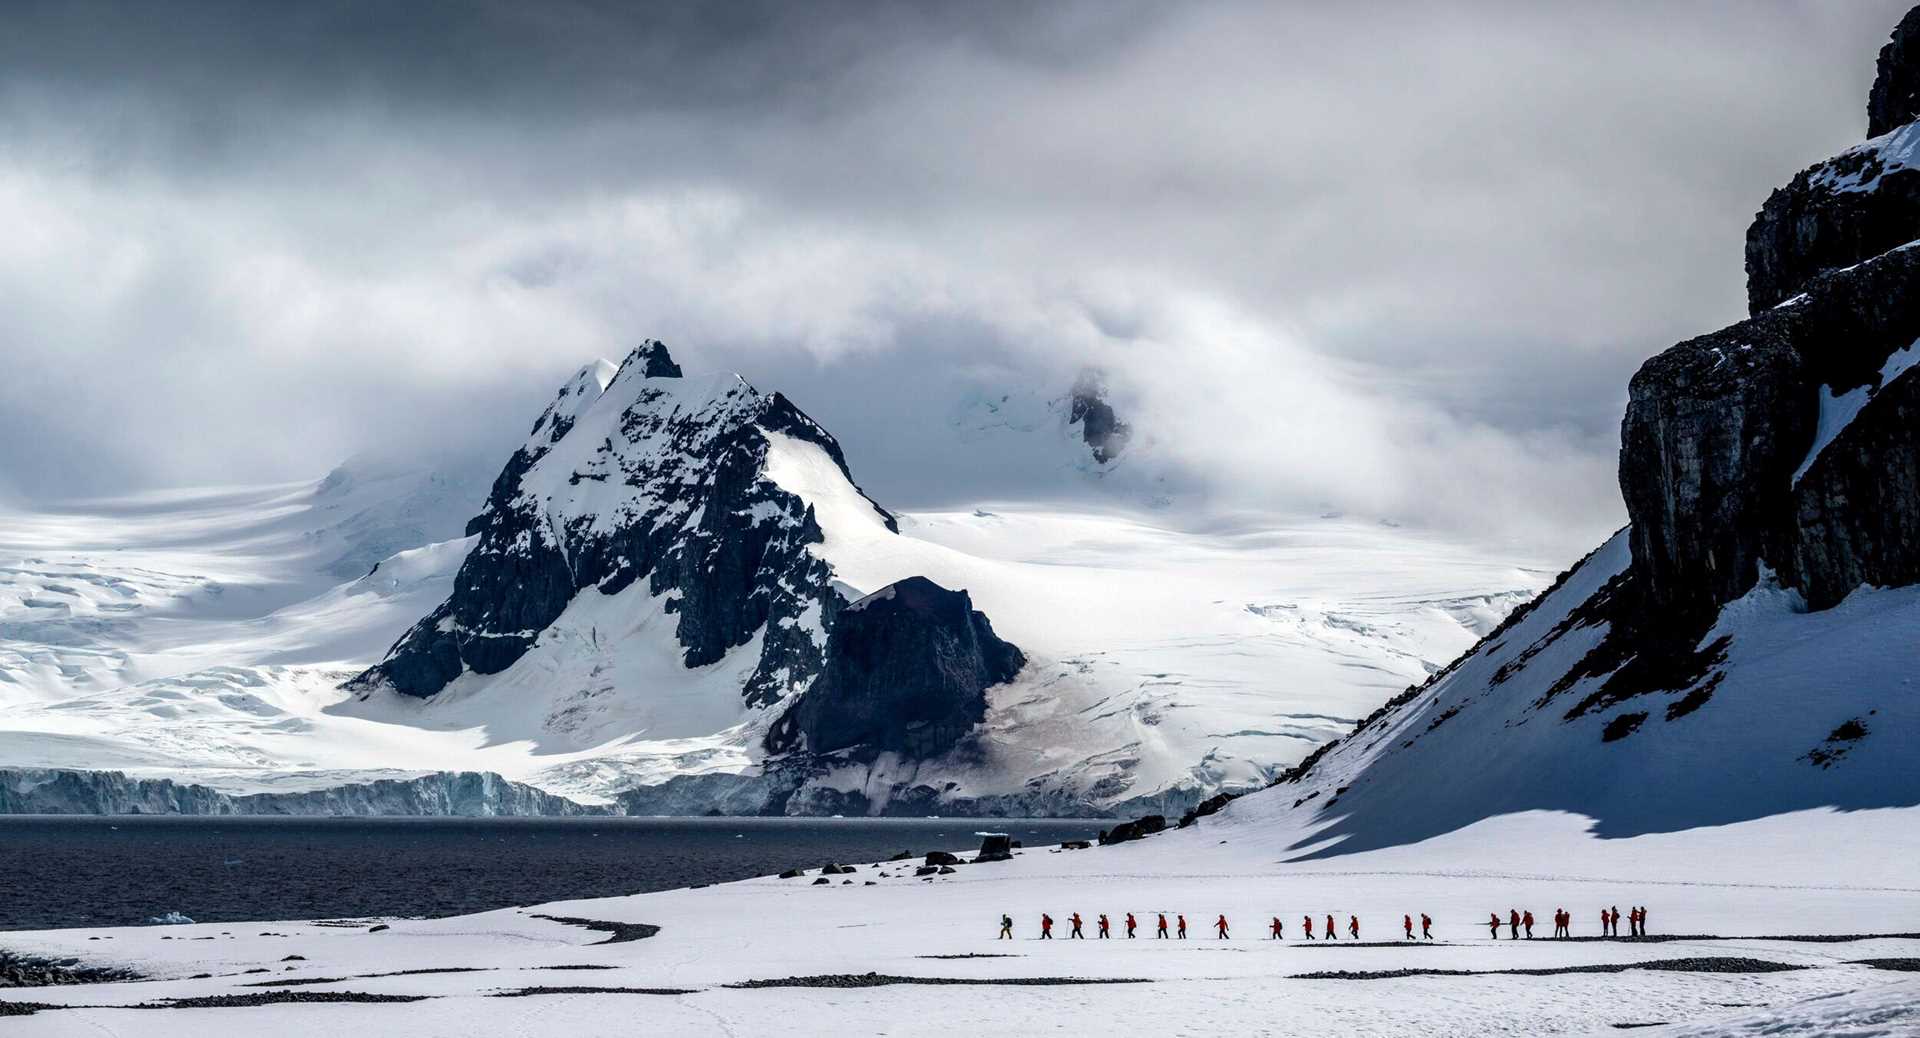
column 1740, row 889
column 198, row 635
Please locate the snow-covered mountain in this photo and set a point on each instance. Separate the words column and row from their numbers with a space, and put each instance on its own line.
column 1750, row 644
column 651, row 586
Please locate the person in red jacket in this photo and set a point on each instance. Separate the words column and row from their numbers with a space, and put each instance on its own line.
column 1332, row 934
column 1046, row 927
column 1181, row 920
column 1407, row 921
column 1306, row 924
column 1353, row 926
column 1076, row 934
column 1131, row 923
column 1493, row 925
column 1275, row 932
column 1616, row 921
column 1163, row 928
column 1426, row 927
column 1106, row 928
column 1220, row 926
column 1513, row 924
column 1527, row 921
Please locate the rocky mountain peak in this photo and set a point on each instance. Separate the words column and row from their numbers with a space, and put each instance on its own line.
column 1895, row 99
column 652, row 360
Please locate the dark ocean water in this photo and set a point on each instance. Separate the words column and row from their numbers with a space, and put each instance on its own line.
column 118, row 871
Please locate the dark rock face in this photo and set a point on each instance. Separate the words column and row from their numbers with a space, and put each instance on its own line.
column 1846, row 209
column 1100, row 428
column 1717, row 426
column 1714, row 428
column 907, row 669
column 1895, row 99
column 1856, row 512
column 670, row 487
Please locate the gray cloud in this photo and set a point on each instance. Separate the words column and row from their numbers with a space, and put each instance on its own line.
column 1393, row 259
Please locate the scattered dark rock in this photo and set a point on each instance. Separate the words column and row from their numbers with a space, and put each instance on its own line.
column 793, row 874
column 1075, row 845
column 294, row 958
column 1622, row 726
column 831, row 869
column 902, row 856
column 942, row 858
column 376, row 928
column 821, row 881
column 947, row 870
column 927, row 870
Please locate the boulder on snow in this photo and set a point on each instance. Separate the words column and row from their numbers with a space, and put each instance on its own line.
column 793, row 874
column 995, row 847
column 902, row 856
column 942, row 858
column 1134, row 830
column 822, row 881
column 1074, row 845
column 927, row 870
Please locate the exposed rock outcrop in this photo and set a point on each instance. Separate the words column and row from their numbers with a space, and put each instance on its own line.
column 1855, row 205
column 907, row 669
column 1895, row 98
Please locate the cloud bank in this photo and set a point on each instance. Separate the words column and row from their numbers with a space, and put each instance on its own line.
column 1395, row 260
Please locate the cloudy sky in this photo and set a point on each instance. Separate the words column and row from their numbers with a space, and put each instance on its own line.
column 1395, row 260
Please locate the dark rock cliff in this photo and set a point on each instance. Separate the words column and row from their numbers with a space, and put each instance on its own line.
column 1895, row 98
column 1855, row 205
column 1788, row 441
column 907, row 670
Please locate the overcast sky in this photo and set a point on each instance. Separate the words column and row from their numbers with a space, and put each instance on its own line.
column 1397, row 260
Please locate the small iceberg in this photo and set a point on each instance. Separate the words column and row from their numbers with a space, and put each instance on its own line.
column 170, row 919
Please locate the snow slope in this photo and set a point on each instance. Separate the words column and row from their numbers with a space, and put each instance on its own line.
column 1745, row 891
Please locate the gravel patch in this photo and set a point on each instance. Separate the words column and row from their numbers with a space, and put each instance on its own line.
column 1693, row 965
column 1902, row 965
column 585, row 990
column 621, row 932
column 879, row 980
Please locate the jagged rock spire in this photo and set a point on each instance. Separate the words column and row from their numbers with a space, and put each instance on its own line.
column 1895, row 100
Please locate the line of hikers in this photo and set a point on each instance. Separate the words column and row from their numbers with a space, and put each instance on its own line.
column 1563, row 923
column 1276, row 931
column 1178, row 930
